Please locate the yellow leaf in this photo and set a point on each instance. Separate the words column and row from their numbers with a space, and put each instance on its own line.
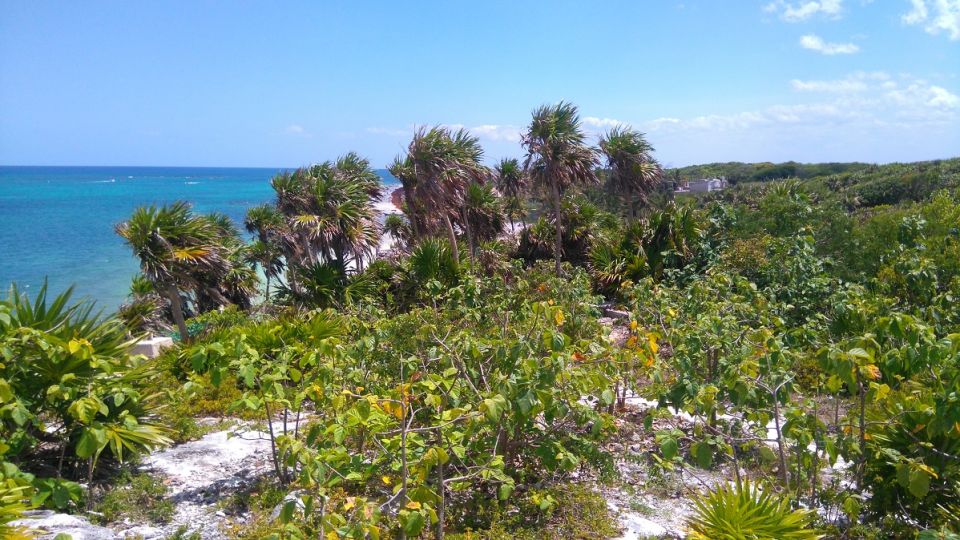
column 871, row 371
column 413, row 505
column 558, row 317
column 386, row 480
column 633, row 326
column 351, row 502
column 190, row 253
column 652, row 341
column 332, row 535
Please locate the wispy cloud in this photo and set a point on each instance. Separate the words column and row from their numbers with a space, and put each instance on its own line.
column 855, row 82
column 868, row 99
column 936, row 16
column 393, row 132
column 801, row 11
column 496, row 132
column 593, row 121
column 816, row 43
column 493, row 132
column 296, row 129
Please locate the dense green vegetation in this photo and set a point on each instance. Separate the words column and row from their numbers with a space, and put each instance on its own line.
column 736, row 172
column 801, row 336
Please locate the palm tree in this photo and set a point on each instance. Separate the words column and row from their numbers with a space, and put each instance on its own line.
column 439, row 165
column 400, row 230
column 402, row 169
column 558, row 157
column 511, row 181
column 633, row 171
column 238, row 284
column 482, row 215
column 174, row 247
column 264, row 221
column 323, row 213
column 269, row 258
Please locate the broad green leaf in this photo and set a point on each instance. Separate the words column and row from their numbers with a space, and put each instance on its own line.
column 919, row 483
column 669, row 448
column 702, row 453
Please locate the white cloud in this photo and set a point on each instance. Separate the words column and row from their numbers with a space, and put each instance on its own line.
column 296, row 129
column 916, row 15
column 945, row 16
column 816, row 43
column 496, row 132
column 919, row 94
column 862, row 100
column 841, row 86
column 941, row 97
column 728, row 122
column 855, row 82
column 801, row 11
column 593, row 121
column 663, row 122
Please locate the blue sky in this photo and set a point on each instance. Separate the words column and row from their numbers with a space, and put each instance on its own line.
column 286, row 83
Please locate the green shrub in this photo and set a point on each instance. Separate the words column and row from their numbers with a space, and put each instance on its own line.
column 742, row 511
column 64, row 365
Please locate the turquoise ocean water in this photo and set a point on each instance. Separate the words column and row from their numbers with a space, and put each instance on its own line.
column 57, row 222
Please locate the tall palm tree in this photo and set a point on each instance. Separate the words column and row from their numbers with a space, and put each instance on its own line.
column 174, row 247
column 512, row 182
column 269, row 258
column 402, row 168
column 439, row 165
column 633, row 171
column 558, row 157
column 482, row 215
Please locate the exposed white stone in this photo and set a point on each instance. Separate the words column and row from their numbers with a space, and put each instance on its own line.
column 151, row 348
column 46, row 524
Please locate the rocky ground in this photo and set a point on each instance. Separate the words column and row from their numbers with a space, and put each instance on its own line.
column 199, row 475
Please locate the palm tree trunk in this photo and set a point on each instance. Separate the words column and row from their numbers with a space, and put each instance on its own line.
column 466, row 227
column 558, row 241
column 177, row 309
column 452, row 236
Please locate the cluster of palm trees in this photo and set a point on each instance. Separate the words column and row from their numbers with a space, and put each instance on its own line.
column 446, row 187
column 558, row 157
column 188, row 257
column 323, row 224
column 323, row 221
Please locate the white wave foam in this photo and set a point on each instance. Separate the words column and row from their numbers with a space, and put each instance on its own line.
column 386, row 207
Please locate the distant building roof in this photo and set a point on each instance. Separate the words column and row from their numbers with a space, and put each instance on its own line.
column 704, row 185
